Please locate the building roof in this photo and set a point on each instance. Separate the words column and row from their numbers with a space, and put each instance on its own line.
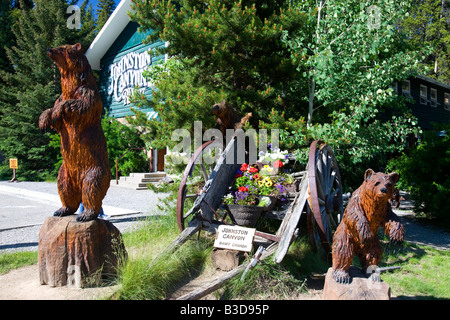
column 434, row 81
column 118, row 20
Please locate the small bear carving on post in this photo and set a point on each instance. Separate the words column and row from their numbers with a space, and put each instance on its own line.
column 227, row 118
column 85, row 174
column 368, row 210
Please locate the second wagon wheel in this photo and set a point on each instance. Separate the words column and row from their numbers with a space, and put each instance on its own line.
column 194, row 178
column 325, row 195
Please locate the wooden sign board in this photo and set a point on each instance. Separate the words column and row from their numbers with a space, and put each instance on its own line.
column 13, row 164
column 235, row 238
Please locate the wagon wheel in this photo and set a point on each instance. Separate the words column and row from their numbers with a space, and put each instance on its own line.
column 194, row 172
column 325, row 195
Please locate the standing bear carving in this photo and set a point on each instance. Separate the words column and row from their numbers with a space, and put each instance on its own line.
column 85, row 173
column 368, row 210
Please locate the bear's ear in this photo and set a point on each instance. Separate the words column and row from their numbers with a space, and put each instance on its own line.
column 368, row 174
column 77, row 47
column 394, row 176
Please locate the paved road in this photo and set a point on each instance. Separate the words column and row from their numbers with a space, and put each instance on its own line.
column 25, row 205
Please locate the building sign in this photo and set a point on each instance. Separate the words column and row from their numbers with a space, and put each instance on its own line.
column 126, row 75
column 235, row 238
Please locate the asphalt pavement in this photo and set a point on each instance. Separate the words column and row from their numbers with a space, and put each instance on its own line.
column 25, row 205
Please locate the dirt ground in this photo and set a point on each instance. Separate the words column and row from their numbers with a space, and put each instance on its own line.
column 23, row 283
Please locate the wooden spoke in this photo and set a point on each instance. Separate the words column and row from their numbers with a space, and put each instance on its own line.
column 195, row 175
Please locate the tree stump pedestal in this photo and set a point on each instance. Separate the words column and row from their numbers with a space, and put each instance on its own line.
column 78, row 254
column 360, row 288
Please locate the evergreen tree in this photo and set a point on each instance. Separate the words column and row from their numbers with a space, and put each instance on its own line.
column 33, row 85
column 104, row 10
column 88, row 25
column 428, row 25
column 224, row 50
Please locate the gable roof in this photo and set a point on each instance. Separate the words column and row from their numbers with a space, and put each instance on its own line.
column 118, row 20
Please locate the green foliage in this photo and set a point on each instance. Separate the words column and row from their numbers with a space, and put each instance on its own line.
column 229, row 51
column 32, row 85
column 104, row 10
column 177, row 100
column 119, row 139
column 286, row 62
column 422, row 172
column 349, row 66
column 428, row 25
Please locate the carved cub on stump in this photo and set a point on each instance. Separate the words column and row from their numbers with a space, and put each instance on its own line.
column 367, row 211
column 85, row 174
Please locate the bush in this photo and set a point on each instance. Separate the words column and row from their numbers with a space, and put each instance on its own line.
column 422, row 173
column 119, row 138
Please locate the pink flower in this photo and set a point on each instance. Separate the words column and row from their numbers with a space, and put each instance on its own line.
column 278, row 164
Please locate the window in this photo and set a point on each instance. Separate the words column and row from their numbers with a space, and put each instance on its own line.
column 447, row 101
column 423, row 94
column 433, row 97
column 406, row 87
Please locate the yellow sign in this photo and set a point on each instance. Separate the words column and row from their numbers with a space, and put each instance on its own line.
column 13, row 164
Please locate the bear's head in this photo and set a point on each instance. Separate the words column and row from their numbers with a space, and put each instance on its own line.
column 379, row 185
column 68, row 57
column 220, row 109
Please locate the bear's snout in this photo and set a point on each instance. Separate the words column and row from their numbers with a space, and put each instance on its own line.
column 383, row 190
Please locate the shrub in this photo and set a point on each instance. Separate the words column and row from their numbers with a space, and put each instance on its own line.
column 422, row 173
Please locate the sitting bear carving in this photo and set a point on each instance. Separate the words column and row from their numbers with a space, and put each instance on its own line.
column 368, row 210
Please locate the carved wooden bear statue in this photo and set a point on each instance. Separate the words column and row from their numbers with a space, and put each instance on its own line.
column 227, row 118
column 367, row 211
column 85, row 173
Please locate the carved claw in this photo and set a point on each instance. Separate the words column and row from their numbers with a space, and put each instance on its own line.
column 86, row 216
column 341, row 276
column 62, row 212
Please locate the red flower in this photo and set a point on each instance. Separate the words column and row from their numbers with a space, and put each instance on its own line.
column 252, row 170
column 243, row 189
column 278, row 164
column 256, row 177
column 244, row 167
column 238, row 176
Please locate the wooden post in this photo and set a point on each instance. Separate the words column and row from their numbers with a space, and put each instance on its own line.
column 117, row 170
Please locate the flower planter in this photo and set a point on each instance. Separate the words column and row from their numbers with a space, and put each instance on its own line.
column 245, row 215
column 273, row 202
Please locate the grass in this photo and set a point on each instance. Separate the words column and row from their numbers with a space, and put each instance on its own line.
column 140, row 279
column 425, row 272
column 14, row 260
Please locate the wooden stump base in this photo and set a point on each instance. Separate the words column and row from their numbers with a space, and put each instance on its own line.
column 361, row 288
column 78, row 254
column 224, row 259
